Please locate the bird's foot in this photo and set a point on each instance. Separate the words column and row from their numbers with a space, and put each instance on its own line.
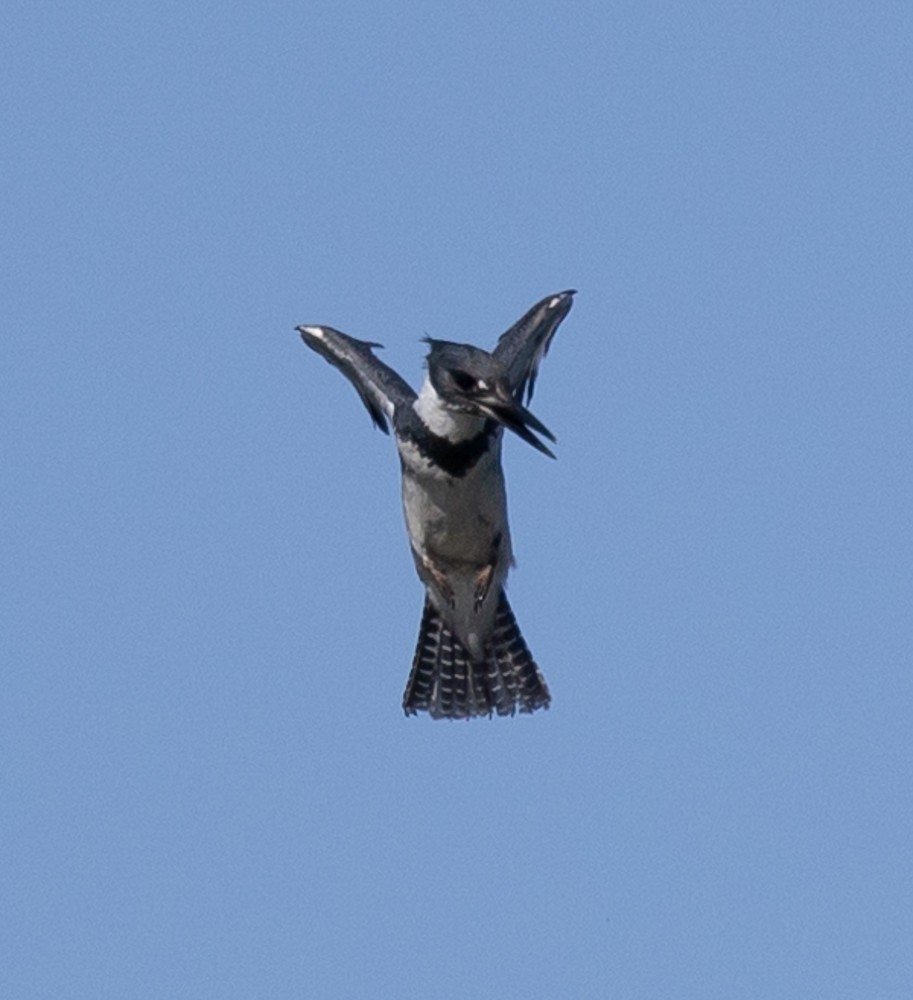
column 483, row 584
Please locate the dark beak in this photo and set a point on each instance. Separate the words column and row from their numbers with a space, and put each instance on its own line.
column 500, row 405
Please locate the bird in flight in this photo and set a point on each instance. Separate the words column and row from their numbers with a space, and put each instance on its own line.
column 471, row 658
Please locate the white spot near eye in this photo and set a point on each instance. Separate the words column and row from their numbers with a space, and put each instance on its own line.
column 314, row 331
column 482, row 384
column 554, row 301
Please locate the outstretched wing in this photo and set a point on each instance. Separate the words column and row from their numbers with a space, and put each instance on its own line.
column 378, row 385
column 521, row 348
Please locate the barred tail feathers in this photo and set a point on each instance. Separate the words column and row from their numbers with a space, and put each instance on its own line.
column 448, row 684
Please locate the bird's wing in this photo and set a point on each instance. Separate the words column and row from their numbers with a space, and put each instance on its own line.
column 378, row 385
column 521, row 348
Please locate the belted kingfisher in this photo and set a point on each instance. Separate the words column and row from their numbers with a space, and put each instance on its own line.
column 471, row 658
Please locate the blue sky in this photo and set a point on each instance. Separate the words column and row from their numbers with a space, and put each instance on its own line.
column 209, row 610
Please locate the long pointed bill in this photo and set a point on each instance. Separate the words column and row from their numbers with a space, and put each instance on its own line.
column 501, row 406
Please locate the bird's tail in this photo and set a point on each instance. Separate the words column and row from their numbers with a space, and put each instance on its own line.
column 448, row 684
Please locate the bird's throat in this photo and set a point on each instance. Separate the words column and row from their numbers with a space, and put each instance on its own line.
column 440, row 419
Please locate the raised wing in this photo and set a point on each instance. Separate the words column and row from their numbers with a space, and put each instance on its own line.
column 378, row 385
column 521, row 348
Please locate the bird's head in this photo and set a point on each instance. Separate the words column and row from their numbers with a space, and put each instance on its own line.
column 470, row 380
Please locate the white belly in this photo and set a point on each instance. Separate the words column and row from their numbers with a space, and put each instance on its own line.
column 456, row 519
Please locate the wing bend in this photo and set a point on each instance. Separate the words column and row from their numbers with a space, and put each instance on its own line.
column 381, row 389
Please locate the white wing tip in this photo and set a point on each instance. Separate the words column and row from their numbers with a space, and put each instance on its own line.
column 560, row 297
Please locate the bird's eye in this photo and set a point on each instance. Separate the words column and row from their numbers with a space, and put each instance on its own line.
column 464, row 381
